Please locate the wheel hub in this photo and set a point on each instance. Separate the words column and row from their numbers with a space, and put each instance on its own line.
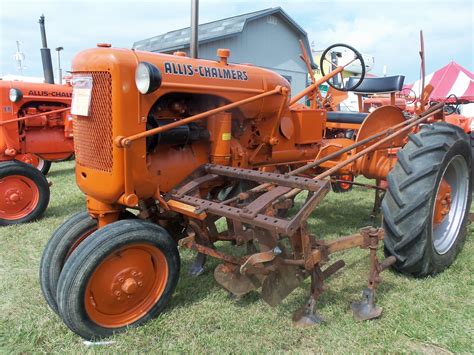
column 13, row 195
column 443, row 202
column 126, row 285
column 19, row 196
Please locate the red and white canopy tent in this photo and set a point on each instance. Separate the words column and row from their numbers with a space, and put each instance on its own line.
column 450, row 79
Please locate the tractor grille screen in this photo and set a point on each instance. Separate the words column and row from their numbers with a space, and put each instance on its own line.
column 93, row 133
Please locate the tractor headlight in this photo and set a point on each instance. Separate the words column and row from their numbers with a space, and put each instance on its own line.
column 147, row 77
column 15, row 95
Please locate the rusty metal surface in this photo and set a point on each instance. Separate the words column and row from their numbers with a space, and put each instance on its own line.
column 280, row 283
column 236, row 283
column 366, row 308
column 254, row 213
column 264, row 177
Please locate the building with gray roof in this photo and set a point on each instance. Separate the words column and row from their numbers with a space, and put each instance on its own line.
column 267, row 38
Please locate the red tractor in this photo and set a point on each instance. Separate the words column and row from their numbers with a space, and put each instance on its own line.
column 35, row 129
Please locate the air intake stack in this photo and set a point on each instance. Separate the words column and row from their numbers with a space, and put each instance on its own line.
column 46, row 55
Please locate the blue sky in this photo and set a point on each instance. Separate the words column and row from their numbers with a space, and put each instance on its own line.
column 389, row 30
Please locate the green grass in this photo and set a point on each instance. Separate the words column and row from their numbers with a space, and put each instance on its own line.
column 420, row 315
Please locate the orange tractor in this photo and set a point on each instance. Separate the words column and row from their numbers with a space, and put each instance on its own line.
column 172, row 150
column 35, row 129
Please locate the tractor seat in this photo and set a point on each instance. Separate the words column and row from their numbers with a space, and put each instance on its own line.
column 377, row 85
column 346, row 117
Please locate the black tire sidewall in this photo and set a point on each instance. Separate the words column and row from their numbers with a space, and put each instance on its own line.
column 56, row 250
column 46, row 166
column 89, row 254
column 19, row 168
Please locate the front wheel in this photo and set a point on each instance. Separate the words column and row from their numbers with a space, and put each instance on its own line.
column 24, row 193
column 426, row 207
column 120, row 276
column 65, row 239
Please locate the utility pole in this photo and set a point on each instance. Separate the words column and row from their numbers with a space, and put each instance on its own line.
column 60, row 71
column 19, row 57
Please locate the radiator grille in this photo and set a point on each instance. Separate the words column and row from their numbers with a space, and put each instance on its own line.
column 93, row 133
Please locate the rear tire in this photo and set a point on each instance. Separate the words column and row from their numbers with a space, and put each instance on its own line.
column 422, row 244
column 24, row 193
column 120, row 276
column 44, row 166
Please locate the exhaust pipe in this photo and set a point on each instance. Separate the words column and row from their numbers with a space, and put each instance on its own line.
column 193, row 46
column 46, row 55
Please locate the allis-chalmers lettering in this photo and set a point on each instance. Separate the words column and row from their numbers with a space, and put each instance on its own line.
column 49, row 93
column 205, row 72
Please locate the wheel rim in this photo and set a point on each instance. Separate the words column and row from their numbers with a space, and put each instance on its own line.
column 450, row 204
column 126, row 285
column 19, row 196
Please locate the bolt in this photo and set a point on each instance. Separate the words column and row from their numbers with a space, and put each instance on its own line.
column 134, row 273
column 117, row 293
column 140, row 274
column 121, row 280
column 140, row 284
column 14, row 197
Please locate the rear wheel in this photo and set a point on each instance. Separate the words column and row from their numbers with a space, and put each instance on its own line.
column 60, row 246
column 24, row 193
column 120, row 276
column 426, row 207
column 32, row 159
column 43, row 166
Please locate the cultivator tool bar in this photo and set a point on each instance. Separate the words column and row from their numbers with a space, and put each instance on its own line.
column 281, row 253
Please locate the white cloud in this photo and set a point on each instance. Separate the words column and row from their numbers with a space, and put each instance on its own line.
column 386, row 29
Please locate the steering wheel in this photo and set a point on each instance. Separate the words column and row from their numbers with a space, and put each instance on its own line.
column 449, row 109
column 341, row 52
column 408, row 94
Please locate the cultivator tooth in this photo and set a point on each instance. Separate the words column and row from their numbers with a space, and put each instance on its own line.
column 254, row 221
column 280, row 283
column 230, row 278
column 197, row 267
column 366, row 309
column 306, row 316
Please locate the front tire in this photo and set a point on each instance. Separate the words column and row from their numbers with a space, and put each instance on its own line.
column 24, row 193
column 120, row 276
column 61, row 244
column 426, row 207
column 65, row 239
